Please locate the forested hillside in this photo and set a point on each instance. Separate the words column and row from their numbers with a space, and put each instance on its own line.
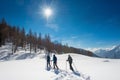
column 18, row 37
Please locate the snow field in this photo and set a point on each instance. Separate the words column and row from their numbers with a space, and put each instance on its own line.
column 88, row 68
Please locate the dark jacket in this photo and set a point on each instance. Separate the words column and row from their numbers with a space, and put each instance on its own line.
column 48, row 58
column 70, row 59
column 54, row 59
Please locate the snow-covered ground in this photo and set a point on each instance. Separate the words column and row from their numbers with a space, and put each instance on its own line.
column 31, row 66
column 88, row 68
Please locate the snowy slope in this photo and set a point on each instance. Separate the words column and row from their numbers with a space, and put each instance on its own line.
column 35, row 69
column 111, row 53
column 6, row 53
column 24, row 65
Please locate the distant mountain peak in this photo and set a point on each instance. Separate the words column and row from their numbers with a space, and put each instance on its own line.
column 113, row 52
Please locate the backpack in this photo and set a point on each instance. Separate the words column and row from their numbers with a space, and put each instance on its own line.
column 55, row 59
column 70, row 59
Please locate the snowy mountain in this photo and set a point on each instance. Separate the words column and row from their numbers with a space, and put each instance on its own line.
column 109, row 53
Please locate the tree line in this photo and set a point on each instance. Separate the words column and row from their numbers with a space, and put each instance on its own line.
column 19, row 38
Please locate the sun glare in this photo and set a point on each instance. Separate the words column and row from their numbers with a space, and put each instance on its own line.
column 48, row 12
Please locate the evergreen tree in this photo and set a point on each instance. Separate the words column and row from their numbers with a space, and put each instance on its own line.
column 18, row 37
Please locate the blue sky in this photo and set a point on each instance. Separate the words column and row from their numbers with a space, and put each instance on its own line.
column 80, row 23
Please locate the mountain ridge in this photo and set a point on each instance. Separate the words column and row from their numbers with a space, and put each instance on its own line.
column 109, row 53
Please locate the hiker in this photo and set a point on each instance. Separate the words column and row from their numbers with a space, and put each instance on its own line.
column 55, row 62
column 48, row 61
column 70, row 60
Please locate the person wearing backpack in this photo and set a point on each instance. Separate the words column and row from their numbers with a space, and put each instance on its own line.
column 55, row 62
column 48, row 61
column 70, row 60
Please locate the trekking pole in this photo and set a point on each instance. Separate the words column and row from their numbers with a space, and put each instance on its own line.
column 66, row 65
column 75, row 66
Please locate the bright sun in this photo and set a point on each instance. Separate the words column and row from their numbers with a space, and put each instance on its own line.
column 48, row 12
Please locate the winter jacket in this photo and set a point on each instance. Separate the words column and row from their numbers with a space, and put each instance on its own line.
column 48, row 58
column 69, row 59
column 54, row 59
